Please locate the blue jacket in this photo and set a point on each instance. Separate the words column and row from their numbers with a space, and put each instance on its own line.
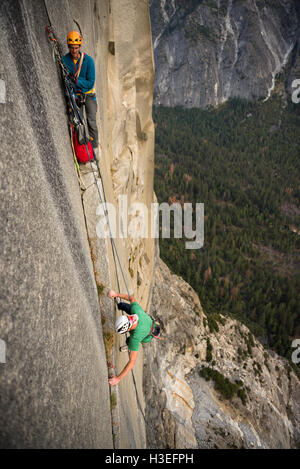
column 86, row 79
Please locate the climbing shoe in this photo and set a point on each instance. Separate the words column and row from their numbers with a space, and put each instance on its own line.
column 124, row 348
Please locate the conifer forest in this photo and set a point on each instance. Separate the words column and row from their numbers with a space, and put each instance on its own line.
column 242, row 160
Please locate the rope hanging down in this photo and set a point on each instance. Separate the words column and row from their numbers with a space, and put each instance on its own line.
column 78, row 121
column 115, row 252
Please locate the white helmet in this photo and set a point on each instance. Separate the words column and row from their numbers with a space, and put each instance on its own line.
column 122, row 324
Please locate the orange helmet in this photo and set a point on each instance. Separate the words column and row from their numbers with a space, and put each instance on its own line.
column 74, row 38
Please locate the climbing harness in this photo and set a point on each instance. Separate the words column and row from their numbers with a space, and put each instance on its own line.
column 155, row 330
column 78, row 124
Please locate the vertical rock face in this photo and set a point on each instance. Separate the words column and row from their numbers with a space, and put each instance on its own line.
column 169, row 398
column 208, row 51
column 127, row 164
column 53, row 377
column 53, row 386
column 293, row 79
column 129, row 132
column 184, row 410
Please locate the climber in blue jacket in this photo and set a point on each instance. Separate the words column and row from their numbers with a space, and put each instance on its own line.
column 82, row 69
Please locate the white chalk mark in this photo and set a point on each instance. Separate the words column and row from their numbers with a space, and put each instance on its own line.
column 2, row 351
column 2, row 92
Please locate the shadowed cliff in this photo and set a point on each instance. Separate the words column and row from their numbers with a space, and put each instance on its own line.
column 56, row 320
column 207, row 51
column 53, row 385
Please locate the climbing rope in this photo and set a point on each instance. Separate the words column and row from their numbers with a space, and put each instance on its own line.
column 115, row 254
column 81, row 183
column 78, row 121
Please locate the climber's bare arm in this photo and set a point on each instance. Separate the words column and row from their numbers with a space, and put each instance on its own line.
column 132, row 359
column 123, row 296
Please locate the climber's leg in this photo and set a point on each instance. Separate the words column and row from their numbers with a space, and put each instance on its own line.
column 91, row 113
column 124, row 307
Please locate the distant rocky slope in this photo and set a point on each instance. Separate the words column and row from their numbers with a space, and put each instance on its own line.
column 55, row 319
column 207, row 51
column 210, row 383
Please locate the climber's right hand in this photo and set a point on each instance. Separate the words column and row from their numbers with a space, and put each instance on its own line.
column 114, row 380
column 111, row 294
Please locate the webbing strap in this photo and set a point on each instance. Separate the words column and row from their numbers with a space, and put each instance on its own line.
column 77, row 73
column 151, row 329
column 114, row 248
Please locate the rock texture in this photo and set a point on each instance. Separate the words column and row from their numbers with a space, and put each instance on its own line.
column 127, row 166
column 186, row 411
column 207, row 51
column 56, row 323
column 53, row 387
column 53, row 391
column 294, row 70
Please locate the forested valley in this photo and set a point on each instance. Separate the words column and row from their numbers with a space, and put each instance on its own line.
column 242, row 160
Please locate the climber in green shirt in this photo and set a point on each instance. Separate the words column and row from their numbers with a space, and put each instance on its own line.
column 141, row 327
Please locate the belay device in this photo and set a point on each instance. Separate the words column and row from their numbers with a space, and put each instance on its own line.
column 75, row 105
column 79, row 133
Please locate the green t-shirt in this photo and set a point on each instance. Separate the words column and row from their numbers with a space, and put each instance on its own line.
column 139, row 334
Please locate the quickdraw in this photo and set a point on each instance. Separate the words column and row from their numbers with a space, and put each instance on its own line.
column 56, row 50
column 76, row 119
